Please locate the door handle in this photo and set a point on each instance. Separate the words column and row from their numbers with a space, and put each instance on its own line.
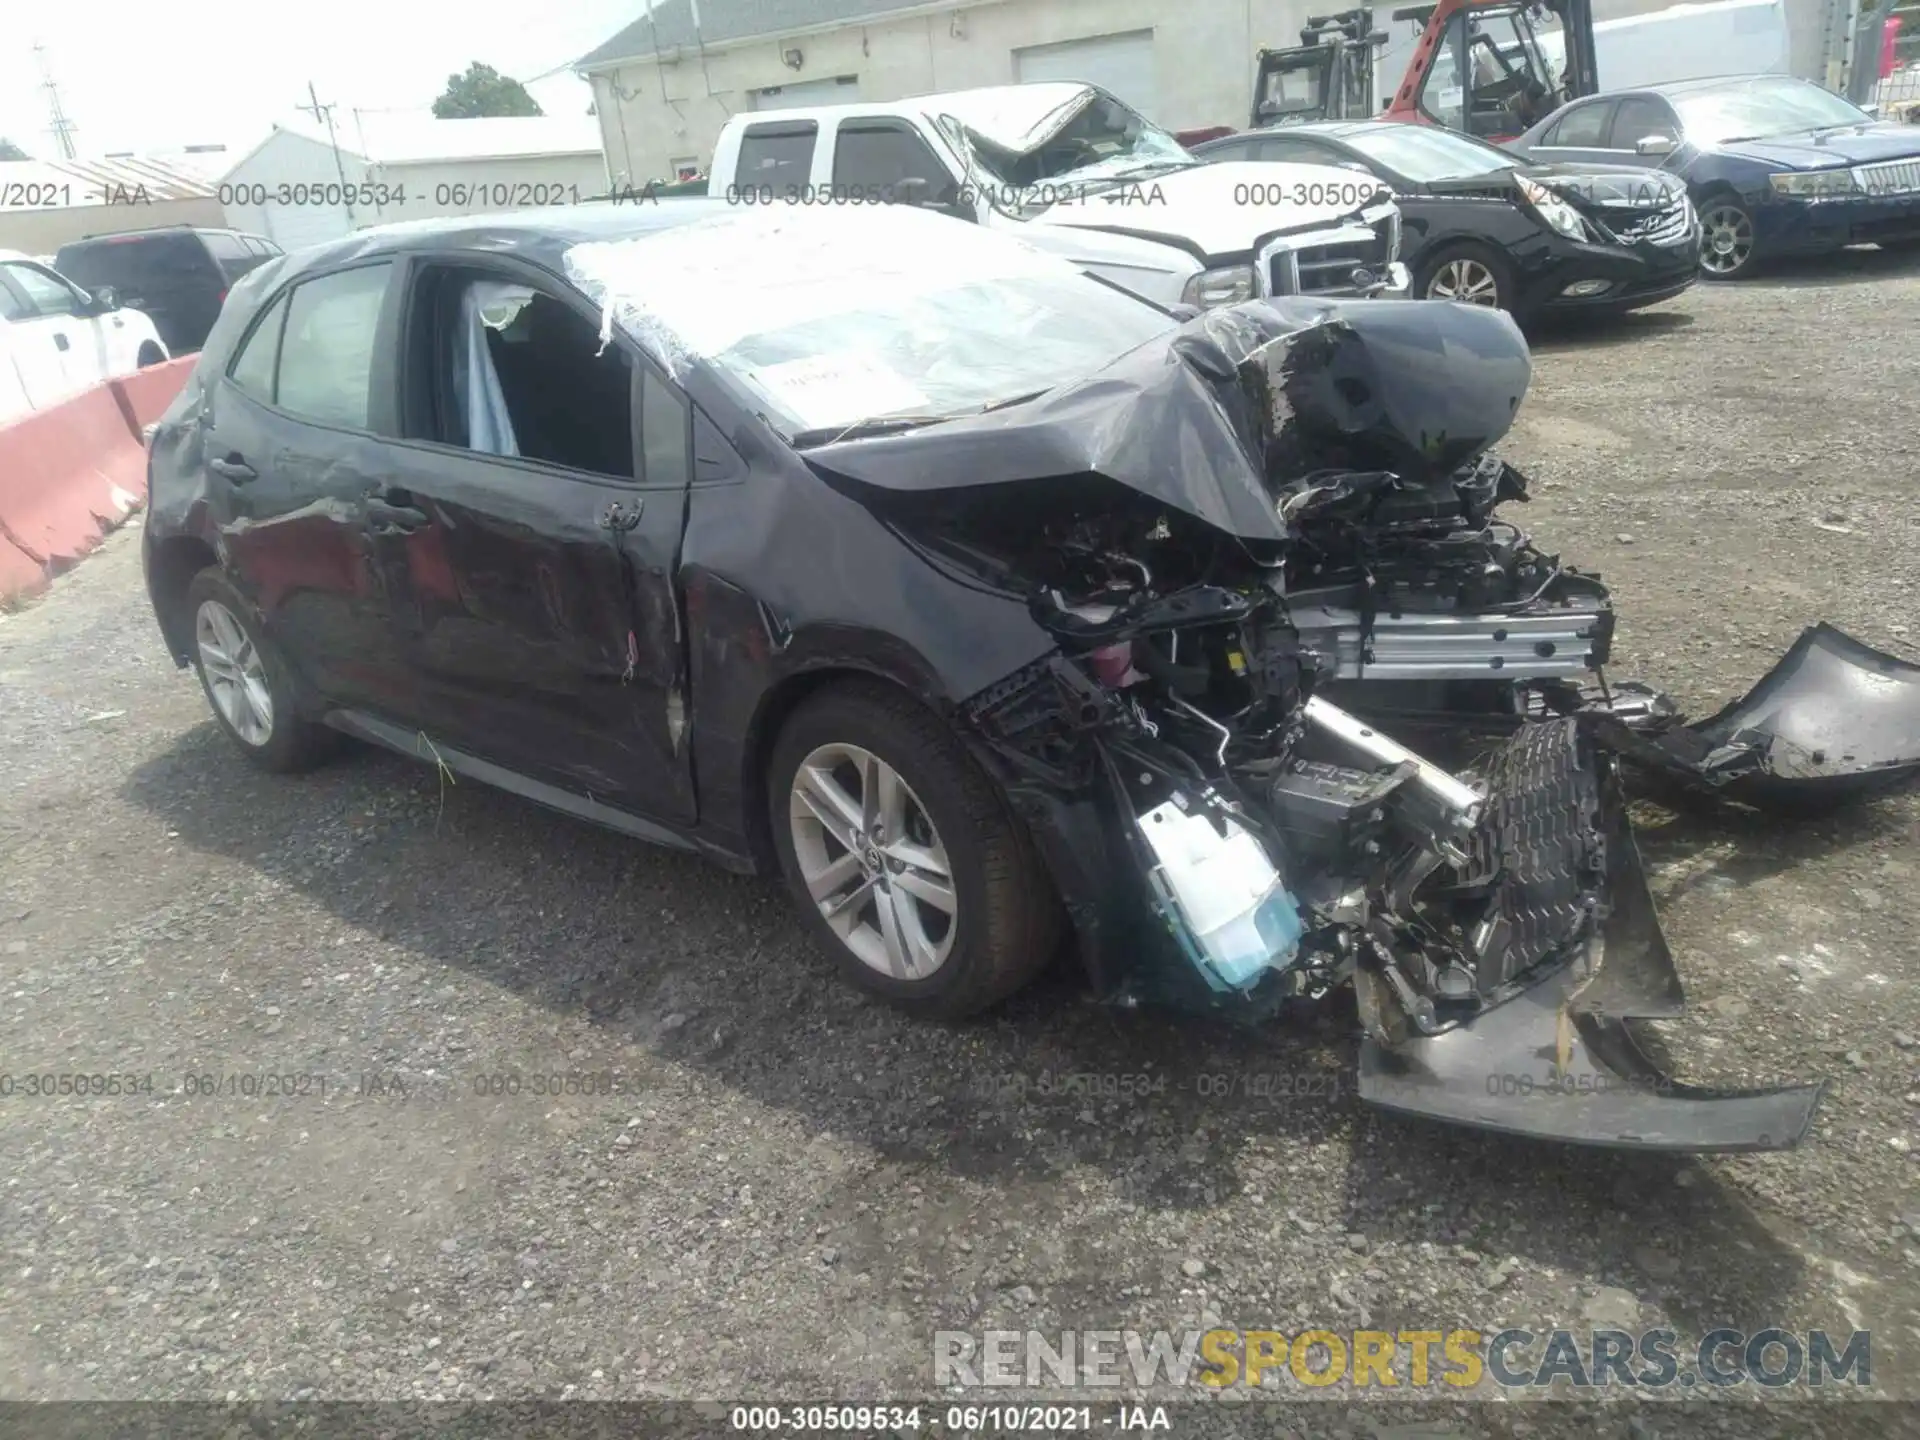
column 384, row 518
column 621, row 518
column 233, row 468
column 60, row 340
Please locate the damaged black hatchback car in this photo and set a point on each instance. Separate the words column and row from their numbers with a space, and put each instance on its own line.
column 988, row 605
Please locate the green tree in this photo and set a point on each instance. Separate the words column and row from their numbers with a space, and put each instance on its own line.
column 11, row 151
column 483, row 90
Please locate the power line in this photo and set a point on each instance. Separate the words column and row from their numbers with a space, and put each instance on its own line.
column 323, row 114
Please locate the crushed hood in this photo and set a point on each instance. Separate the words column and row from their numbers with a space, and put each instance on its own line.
column 1230, row 416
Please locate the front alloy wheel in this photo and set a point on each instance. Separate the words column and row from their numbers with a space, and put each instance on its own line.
column 236, row 679
column 1466, row 280
column 904, row 856
column 1726, row 240
column 873, row 861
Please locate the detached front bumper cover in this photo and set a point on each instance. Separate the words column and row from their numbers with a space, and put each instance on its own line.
column 1834, row 721
column 1560, row 1060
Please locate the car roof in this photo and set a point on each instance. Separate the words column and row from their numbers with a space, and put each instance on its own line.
column 149, row 232
column 540, row 235
column 1712, row 82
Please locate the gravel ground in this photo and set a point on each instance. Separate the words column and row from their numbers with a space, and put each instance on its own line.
column 795, row 1187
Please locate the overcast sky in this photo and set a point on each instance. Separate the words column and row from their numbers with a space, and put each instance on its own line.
column 140, row 77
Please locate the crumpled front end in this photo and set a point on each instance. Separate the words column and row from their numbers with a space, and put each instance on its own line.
column 1318, row 714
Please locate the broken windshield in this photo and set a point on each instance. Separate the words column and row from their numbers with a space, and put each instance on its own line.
column 1102, row 142
column 882, row 313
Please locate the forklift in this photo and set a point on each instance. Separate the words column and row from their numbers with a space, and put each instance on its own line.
column 1495, row 67
column 1327, row 76
column 1488, row 67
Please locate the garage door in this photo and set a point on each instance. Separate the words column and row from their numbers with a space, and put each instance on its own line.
column 292, row 227
column 1119, row 64
column 841, row 91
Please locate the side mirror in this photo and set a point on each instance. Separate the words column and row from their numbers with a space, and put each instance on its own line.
column 105, row 298
column 1654, row 145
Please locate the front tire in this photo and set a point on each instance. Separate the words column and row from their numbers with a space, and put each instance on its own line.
column 903, row 856
column 247, row 681
column 1470, row 274
column 1726, row 239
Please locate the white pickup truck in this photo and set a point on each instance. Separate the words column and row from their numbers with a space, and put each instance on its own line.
column 1076, row 172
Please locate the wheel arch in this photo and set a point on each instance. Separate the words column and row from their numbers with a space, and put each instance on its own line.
column 171, row 565
column 777, row 705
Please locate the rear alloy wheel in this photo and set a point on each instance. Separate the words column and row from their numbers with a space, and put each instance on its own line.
column 247, row 682
column 903, row 855
column 1726, row 239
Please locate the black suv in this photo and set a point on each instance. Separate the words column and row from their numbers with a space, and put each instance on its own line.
column 178, row 275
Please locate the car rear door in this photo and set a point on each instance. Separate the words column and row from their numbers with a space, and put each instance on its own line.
column 291, row 440
column 1579, row 134
column 527, row 536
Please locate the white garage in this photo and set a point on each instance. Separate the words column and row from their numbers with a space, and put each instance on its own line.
column 1120, row 64
column 840, row 90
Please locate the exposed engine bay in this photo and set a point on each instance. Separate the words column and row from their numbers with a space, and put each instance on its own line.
column 1363, row 732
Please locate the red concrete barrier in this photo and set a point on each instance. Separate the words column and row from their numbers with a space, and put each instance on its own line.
column 68, row 474
column 144, row 395
column 19, row 576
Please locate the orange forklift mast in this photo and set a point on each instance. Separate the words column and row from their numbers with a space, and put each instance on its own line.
column 1481, row 65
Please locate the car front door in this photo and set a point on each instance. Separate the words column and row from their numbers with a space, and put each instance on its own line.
column 527, row 534
column 36, row 375
column 1643, row 119
column 60, row 330
column 292, row 440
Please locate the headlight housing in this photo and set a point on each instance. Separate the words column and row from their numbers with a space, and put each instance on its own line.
column 1559, row 215
column 1228, row 285
column 1814, row 184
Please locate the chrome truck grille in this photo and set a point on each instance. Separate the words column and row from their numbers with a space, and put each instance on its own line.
column 1329, row 261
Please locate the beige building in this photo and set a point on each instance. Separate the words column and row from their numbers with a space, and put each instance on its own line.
column 664, row 85
column 46, row 203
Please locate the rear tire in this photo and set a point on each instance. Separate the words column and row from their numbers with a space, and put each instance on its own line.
column 862, row 775
column 247, row 681
column 149, row 355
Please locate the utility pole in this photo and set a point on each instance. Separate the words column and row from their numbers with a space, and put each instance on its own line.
column 61, row 127
column 324, row 115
